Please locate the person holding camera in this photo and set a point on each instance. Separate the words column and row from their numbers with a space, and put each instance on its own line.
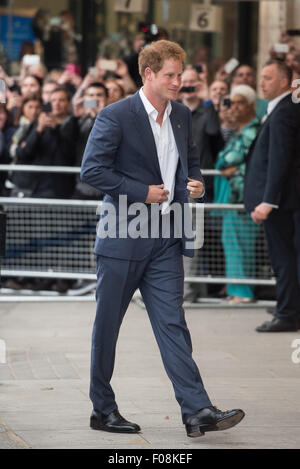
column 238, row 231
column 208, row 138
column 31, row 84
column 86, row 108
column 205, row 121
column 227, row 119
column 7, row 130
column 245, row 75
column 132, row 59
column 49, row 140
column 49, row 86
column 49, row 32
column 28, row 113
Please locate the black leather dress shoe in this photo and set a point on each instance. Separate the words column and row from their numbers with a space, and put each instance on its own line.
column 113, row 422
column 278, row 325
column 212, row 419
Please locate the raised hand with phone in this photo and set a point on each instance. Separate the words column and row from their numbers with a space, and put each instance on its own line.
column 50, row 139
column 203, row 92
column 3, row 76
column 92, row 100
column 120, row 69
column 45, row 120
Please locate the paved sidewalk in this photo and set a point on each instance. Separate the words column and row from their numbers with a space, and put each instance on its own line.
column 44, row 384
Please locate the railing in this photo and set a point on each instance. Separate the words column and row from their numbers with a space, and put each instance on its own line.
column 52, row 238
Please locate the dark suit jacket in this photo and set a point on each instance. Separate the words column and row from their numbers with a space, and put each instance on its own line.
column 51, row 147
column 208, row 138
column 273, row 162
column 121, row 159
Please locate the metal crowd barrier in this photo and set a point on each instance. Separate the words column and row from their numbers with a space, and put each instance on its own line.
column 52, row 238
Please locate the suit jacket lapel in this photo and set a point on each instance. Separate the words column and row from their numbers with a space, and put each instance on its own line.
column 276, row 107
column 261, row 128
column 144, row 130
column 264, row 125
column 178, row 129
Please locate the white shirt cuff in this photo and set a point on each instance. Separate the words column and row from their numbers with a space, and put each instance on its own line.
column 271, row 205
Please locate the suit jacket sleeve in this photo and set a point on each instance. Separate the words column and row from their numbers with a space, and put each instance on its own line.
column 194, row 171
column 282, row 151
column 98, row 165
column 26, row 149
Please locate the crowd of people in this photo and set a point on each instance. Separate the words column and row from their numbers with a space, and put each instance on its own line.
column 49, row 113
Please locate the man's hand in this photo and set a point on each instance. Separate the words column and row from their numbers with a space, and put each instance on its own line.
column 13, row 100
column 78, row 109
column 260, row 213
column 195, row 187
column 203, row 87
column 3, row 75
column 228, row 172
column 221, row 74
column 90, row 112
column 87, row 81
column 157, row 194
column 45, row 120
column 122, row 69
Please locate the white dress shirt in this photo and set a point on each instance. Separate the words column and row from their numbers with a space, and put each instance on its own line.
column 272, row 104
column 166, row 147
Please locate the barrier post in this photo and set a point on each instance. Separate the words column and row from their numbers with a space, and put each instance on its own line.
column 2, row 236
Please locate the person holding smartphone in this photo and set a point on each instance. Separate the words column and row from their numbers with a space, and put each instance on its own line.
column 50, row 140
column 48, row 87
column 132, row 59
column 245, row 75
column 7, row 130
column 31, row 84
column 94, row 99
column 28, row 114
column 238, row 231
column 208, row 138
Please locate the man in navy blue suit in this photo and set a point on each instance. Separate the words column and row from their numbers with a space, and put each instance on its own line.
column 272, row 192
column 141, row 150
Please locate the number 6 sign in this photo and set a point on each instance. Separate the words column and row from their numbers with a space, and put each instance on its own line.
column 131, row 6
column 205, row 18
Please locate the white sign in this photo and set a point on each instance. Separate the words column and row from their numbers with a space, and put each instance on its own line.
column 296, row 353
column 206, row 18
column 131, row 6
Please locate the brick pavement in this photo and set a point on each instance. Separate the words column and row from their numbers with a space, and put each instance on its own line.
column 44, row 383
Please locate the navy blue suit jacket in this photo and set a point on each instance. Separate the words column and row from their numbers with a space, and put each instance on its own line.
column 121, row 159
column 273, row 162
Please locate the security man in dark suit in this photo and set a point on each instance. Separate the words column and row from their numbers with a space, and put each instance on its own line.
column 272, row 192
